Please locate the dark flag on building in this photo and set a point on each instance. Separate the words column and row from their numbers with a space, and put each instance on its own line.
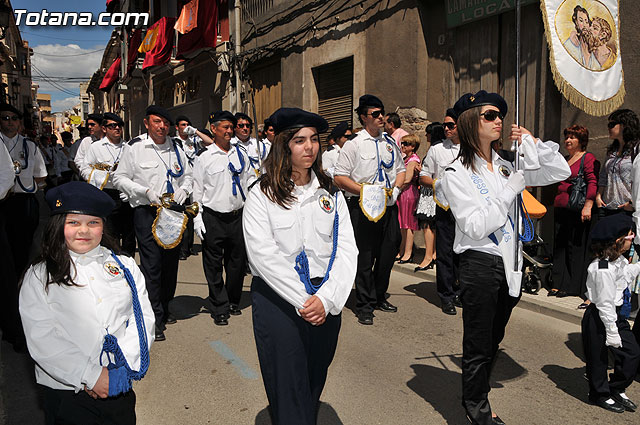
column 159, row 51
column 132, row 53
column 205, row 33
column 111, row 76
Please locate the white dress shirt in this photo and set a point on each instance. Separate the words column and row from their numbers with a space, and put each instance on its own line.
column 257, row 151
column 145, row 167
column 81, row 151
column 213, row 180
column 605, row 287
column 7, row 174
column 274, row 236
column 65, row 326
column 103, row 152
column 329, row 159
column 61, row 159
column 360, row 156
column 30, row 160
column 438, row 158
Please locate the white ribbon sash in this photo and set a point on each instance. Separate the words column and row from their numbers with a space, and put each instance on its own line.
column 168, row 227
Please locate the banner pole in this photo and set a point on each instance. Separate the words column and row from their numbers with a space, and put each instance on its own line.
column 516, row 218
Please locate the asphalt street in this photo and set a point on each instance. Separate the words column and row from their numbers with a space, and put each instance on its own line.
column 405, row 369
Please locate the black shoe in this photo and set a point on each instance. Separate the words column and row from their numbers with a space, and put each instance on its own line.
column 221, row 319
column 365, row 318
column 495, row 420
column 409, row 260
column 449, row 308
column 234, row 310
column 552, row 293
column 457, row 302
column 615, row 407
column 193, row 252
column 183, row 257
column 170, row 320
column 387, row 306
column 160, row 335
column 628, row 405
column 421, row 269
column 561, row 294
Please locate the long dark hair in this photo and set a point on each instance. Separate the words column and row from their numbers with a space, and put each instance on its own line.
column 468, row 123
column 630, row 132
column 55, row 253
column 276, row 181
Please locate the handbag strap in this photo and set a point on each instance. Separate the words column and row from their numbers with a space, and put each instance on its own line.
column 581, row 170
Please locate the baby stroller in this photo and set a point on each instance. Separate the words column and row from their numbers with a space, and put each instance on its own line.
column 537, row 259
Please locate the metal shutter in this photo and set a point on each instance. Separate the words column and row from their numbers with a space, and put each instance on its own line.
column 334, row 83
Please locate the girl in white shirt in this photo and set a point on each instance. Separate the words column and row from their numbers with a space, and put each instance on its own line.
column 86, row 314
column 481, row 189
column 303, row 257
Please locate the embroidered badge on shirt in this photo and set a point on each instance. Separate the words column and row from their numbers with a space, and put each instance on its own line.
column 505, row 171
column 389, row 148
column 326, row 204
column 177, row 167
column 112, row 269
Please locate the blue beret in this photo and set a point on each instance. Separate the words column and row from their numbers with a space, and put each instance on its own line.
column 79, row 198
column 10, row 108
column 287, row 118
column 243, row 116
column 223, row 116
column 183, row 118
column 611, row 227
column 160, row 112
column 113, row 117
column 368, row 101
column 469, row 100
column 339, row 130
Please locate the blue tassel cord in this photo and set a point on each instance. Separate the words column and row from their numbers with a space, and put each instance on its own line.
column 235, row 174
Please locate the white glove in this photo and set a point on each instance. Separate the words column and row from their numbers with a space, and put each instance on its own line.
column 198, row 226
column 153, row 197
column 516, row 182
column 613, row 340
column 123, row 197
column 395, row 194
column 179, row 196
column 189, row 131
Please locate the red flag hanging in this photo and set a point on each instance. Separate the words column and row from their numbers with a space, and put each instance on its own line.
column 111, row 76
column 132, row 52
column 205, row 34
column 161, row 51
column 112, row 5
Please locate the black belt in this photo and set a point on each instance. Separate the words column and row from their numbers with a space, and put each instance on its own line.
column 485, row 257
column 223, row 214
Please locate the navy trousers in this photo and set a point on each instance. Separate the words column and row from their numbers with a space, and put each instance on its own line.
column 446, row 260
column 68, row 408
column 294, row 355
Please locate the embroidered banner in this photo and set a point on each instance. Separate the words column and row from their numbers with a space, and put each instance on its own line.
column 584, row 44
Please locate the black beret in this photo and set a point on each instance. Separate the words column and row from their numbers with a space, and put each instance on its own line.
column 183, row 118
column 113, row 117
column 468, row 101
column 243, row 116
column 79, row 198
column 159, row 111
column 368, row 101
column 286, row 118
column 206, row 132
column 10, row 108
column 611, row 227
column 222, row 116
column 95, row 117
column 451, row 113
column 339, row 130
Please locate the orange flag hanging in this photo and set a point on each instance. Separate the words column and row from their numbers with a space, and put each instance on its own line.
column 188, row 19
column 149, row 41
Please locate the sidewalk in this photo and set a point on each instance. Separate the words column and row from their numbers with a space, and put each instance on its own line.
column 561, row 308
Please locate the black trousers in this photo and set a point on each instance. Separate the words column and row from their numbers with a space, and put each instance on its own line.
column 120, row 223
column 65, row 407
column 446, row 260
column 22, row 216
column 486, row 310
column 9, row 316
column 223, row 245
column 570, row 252
column 626, row 357
column 186, row 246
column 158, row 265
column 378, row 244
column 294, row 355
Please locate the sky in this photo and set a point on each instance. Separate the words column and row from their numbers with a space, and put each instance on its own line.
column 64, row 51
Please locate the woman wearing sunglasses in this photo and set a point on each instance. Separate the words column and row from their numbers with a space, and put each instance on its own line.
column 303, row 257
column 481, row 189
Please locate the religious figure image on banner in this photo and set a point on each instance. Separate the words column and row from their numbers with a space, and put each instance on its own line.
column 583, row 38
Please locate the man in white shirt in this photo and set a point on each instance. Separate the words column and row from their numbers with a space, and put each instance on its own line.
column 100, row 162
column 372, row 157
column 437, row 159
column 19, row 217
column 154, row 164
column 222, row 176
column 337, row 138
column 392, row 125
column 257, row 151
column 79, row 148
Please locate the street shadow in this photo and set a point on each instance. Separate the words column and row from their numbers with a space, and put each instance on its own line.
column 571, row 381
column 574, row 344
column 505, row 369
column 187, row 306
column 351, row 301
column 326, row 416
column 426, row 290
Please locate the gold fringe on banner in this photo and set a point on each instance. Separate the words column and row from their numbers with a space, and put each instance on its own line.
column 574, row 96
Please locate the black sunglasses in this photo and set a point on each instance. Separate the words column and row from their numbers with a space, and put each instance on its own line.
column 10, row 117
column 113, row 125
column 612, row 124
column 376, row 114
column 243, row 125
column 449, row 125
column 492, row 114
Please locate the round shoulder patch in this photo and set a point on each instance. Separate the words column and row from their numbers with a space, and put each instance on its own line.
column 389, row 148
column 177, row 167
column 326, row 203
column 112, row 268
column 504, row 170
